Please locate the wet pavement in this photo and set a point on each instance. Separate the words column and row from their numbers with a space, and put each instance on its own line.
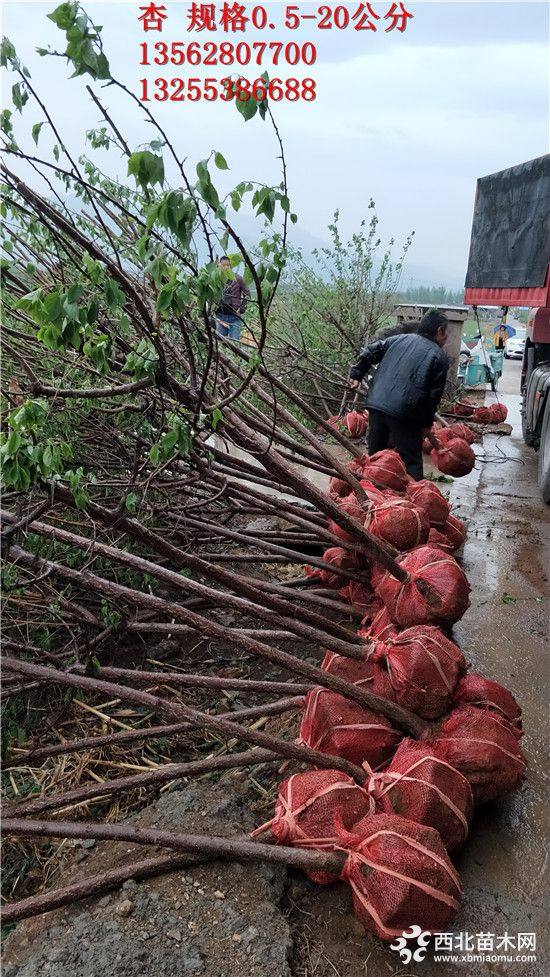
column 504, row 634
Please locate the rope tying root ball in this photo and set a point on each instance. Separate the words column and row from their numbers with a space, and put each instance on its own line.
column 427, row 496
column 484, row 747
column 394, row 518
column 343, row 728
column 455, row 457
column 423, row 667
column 427, row 790
column 311, row 810
column 399, row 873
column 437, row 591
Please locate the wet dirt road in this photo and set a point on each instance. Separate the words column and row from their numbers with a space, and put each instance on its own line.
column 505, row 635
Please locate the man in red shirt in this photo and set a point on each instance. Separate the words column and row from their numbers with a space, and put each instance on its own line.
column 228, row 314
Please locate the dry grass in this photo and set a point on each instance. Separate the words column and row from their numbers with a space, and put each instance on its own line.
column 29, row 866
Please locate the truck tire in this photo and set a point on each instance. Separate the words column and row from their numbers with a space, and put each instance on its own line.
column 544, row 454
column 526, row 431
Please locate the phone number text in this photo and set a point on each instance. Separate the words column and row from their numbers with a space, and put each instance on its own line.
column 227, row 53
column 226, row 89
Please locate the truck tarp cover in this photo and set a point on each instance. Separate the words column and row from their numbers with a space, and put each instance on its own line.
column 510, row 244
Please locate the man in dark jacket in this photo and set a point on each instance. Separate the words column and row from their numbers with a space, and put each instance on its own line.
column 406, row 388
column 233, row 301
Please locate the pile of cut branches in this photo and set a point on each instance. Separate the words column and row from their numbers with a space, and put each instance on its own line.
column 139, row 450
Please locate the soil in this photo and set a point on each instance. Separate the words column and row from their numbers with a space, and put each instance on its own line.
column 211, row 920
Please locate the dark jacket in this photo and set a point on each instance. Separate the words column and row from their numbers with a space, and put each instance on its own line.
column 410, row 378
column 234, row 296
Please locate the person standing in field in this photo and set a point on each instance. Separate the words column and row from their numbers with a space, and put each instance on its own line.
column 228, row 314
column 406, row 389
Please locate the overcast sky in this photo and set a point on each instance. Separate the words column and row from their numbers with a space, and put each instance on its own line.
column 411, row 119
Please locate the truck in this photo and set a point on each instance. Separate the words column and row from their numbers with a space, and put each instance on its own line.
column 509, row 267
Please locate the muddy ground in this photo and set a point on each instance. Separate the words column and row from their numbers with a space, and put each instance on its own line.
column 220, row 920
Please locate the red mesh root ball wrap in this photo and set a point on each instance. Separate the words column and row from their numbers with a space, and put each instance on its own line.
column 437, row 538
column 368, row 674
column 381, row 626
column 351, row 507
column 427, row 496
column 338, row 488
column 455, row 458
column 356, row 465
column 482, row 415
column 397, row 521
column 427, row 790
column 464, row 408
column 455, row 531
column 458, row 430
column 312, row 808
column 437, row 592
column 359, row 594
column 485, row 749
column 449, row 537
column 339, row 557
column 400, row 875
column 493, row 414
column 483, row 693
column 499, row 412
column 356, row 424
column 340, row 727
column 435, row 429
column 424, row 668
column 377, row 624
column 387, row 469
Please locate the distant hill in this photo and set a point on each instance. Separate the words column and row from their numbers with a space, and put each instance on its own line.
column 413, row 277
column 413, row 274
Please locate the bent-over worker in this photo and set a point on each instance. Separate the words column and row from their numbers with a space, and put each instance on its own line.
column 406, row 388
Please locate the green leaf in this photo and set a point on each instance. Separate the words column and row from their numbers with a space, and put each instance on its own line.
column 247, row 108
column 7, row 52
column 217, row 416
column 131, row 502
column 64, row 16
column 146, row 168
column 220, row 161
column 102, row 67
column 19, row 96
column 508, row 598
column 5, row 122
column 207, row 188
column 35, row 131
